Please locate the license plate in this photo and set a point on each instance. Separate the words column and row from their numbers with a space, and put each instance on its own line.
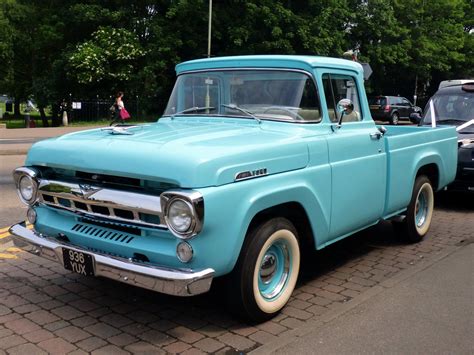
column 78, row 262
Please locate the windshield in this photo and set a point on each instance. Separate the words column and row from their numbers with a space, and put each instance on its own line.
column 452, row 108
column 263, row 94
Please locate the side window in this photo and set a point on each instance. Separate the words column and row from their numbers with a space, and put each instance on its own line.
column 309, row 105
column 405, row 102
column 328, row 94
column 338, row 87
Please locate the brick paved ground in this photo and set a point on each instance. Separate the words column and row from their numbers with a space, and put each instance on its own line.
column 44, row 309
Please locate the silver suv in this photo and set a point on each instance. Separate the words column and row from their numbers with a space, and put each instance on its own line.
column 453, row 104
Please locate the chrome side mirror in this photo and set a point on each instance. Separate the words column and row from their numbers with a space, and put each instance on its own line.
column 344, row 107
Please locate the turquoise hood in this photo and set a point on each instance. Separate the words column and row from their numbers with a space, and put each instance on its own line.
column 187, row 151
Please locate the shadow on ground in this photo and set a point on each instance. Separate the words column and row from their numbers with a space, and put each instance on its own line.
column 455, row 201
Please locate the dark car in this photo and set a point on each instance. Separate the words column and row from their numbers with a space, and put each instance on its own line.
column 453, row 104
column 392, row 108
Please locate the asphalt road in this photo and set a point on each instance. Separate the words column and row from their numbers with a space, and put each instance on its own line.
column 11, row 209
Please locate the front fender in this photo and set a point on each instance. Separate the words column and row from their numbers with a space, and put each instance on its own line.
column 231, row 208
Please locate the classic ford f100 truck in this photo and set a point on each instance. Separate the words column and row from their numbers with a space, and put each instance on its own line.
column 255, row 160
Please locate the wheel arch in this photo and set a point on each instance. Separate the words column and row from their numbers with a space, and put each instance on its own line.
column 299, row 204
column 296, row 214
column 431, row 165
column 431, row 171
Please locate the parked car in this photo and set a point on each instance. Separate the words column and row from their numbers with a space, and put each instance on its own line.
column 392, row 109
column 257, row 161
column 453, row 104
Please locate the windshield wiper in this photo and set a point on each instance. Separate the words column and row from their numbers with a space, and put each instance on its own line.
column 193, row 109
column 235, row 107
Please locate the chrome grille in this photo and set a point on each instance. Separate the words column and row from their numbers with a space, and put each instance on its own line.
column 105, row 204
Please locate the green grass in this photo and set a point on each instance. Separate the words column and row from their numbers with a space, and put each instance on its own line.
column 15, row 123
column 20, row 123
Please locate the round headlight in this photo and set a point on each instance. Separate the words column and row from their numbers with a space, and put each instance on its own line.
column 27, row 188
column 180, row 216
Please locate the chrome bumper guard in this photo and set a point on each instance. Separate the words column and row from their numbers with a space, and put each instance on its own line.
column 177, row 282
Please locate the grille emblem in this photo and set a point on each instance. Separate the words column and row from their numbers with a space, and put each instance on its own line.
column 85, row 191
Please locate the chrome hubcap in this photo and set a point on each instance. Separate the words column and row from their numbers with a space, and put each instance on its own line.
column 268, row 268
column 274, row 270
column 421, row 209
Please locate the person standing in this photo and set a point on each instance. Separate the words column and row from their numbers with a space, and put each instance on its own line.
column 120, row 113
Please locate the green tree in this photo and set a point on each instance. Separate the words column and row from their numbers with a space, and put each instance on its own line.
column 110, row 56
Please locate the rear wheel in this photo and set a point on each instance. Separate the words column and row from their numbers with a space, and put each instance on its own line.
column 267, row 270
column 419, row 213
column 394, row 119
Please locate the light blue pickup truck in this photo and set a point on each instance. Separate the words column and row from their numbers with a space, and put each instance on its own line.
column 255, row 160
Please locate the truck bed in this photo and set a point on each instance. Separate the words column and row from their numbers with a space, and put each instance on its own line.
column 409, row 148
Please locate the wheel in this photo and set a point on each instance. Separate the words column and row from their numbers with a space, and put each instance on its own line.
column 419, row 213
column 394, row 119
column 266, row 272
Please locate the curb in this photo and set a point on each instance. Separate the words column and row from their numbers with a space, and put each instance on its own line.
column 313, row 326
column 19, row 151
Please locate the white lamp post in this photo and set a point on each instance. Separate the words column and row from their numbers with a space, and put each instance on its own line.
column 209, row 30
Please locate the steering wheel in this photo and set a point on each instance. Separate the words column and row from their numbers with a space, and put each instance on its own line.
column 279, row 108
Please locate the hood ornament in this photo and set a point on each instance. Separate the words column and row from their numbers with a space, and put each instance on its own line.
column 119, row 129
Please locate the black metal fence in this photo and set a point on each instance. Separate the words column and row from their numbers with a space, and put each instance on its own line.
column 98, row 109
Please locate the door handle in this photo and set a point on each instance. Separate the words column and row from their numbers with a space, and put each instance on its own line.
column 376, row 135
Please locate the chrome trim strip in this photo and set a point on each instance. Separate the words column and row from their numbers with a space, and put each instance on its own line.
column 112, row 200
column 177, row 282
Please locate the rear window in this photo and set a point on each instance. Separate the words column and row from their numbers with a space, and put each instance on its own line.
column 381, row 101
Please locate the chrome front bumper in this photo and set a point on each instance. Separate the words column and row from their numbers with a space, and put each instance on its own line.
column 178, row 282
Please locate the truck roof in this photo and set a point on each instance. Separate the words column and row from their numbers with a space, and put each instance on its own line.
column 454, row 82
column 269, row 61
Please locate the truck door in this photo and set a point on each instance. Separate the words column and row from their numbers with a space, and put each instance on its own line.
column 357, row 159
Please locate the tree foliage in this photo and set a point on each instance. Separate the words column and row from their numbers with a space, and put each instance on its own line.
column 109, row 55
column 51, row 48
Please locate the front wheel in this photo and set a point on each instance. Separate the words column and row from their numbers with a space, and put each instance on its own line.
column 267, row 270
column 419, row 213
